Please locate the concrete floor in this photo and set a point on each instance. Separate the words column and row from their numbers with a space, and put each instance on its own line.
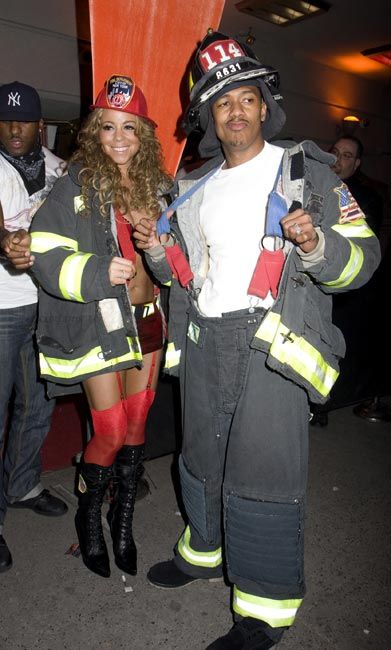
column 50, row 601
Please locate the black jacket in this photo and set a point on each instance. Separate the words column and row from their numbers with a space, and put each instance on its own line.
column 73, row 251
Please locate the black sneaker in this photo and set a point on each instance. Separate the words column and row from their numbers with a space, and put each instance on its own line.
column 167, row 575
column 247, row 634
column 5, row 556
column 43, row 504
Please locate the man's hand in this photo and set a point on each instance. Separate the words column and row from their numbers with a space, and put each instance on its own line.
column 299, row 229
column 145, row 234
column 16, row 246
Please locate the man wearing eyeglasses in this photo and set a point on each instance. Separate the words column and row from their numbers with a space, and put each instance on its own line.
column 349, row 151
column 361, row 380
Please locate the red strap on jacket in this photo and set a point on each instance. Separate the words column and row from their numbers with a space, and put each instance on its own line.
column 267, row 273
column 179, row 265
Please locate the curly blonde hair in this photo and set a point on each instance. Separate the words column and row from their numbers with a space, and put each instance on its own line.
column 100, row 174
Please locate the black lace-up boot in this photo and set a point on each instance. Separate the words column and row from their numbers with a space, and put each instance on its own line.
column 93, row 482
column 127, row 471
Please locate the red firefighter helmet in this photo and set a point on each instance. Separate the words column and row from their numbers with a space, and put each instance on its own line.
column 120, row 93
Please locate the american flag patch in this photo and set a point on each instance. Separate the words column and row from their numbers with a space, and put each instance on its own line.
column 349, row 210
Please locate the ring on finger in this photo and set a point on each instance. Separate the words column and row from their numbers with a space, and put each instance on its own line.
column 297, row 229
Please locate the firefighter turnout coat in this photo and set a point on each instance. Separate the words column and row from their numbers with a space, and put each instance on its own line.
column 297, row 333
column 85, row 326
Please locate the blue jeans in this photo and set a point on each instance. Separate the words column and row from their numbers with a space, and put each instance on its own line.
column 30, row 416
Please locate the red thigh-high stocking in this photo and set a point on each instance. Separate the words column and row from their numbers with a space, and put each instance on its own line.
column 137, row 407
column 109, row 434
column 128, row 468
column 109, row 423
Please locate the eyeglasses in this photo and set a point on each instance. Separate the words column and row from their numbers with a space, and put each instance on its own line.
column 346, row 155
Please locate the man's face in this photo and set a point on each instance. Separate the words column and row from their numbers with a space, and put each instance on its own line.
column 19, row 138
column 347, row 158
column 237, row 116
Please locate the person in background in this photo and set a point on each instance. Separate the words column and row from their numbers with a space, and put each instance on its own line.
column 27, row 174
column 262, row 236
column 357, row 313
column 349, row 151
column 99, row 319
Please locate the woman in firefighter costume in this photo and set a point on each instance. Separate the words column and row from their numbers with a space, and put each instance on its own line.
column 267, row 235
column 99, row 320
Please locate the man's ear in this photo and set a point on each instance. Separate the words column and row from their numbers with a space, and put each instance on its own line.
column 263, row 111
column 357, row 163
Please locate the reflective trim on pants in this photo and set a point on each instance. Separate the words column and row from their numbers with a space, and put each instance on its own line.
column 210, row 559
column 277, row 613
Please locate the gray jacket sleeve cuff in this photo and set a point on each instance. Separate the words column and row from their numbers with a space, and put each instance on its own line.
column 157, row 253
column 317, row 255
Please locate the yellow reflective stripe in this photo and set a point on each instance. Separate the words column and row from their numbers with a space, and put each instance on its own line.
column 71, row 276
column 351, row 269
column 297, row 353
column 358, row 228
column 277, row 613
column 172, row 356
column 268, row 328
column 41, row 242
column 197, row 558
column 167, row 284
column 148, row 309
column 78, row 203
column 90, row 362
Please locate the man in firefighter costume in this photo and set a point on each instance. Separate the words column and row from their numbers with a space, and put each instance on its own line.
column 261, row 238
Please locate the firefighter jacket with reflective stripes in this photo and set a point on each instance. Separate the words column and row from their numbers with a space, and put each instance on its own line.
column 85, row 325
column 297, row 333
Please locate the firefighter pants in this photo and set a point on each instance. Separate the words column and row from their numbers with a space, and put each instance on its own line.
column 243, row 468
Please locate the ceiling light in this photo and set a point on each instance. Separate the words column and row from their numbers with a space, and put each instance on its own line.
column 380, row 54
column 350, row 124
column 351, row 118
column 282, row 12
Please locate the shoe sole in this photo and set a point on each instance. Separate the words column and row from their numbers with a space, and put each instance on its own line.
column 37, row 512
column 3, row 569
column 191, row 582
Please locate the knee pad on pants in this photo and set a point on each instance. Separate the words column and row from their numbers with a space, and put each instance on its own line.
column 202, row 502
column 137, row 408
column 264, row 543
column 109, row 435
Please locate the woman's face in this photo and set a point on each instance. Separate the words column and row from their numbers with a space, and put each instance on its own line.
column 117, row 134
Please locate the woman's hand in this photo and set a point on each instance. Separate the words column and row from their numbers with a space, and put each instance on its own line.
column 299, row 229
column 121, row 270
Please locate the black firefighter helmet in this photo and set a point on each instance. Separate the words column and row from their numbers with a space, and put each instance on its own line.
column 221, row 61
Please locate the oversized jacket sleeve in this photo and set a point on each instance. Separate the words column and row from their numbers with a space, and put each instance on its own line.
column 157, row 262
column 60, row 267
column 351, row 249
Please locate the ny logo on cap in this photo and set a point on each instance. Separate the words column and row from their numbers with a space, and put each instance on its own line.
column 119, row 91
column 14, row 99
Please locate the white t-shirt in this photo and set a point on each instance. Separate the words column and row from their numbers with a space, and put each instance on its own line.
column 232, row 220
column 16, row 287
